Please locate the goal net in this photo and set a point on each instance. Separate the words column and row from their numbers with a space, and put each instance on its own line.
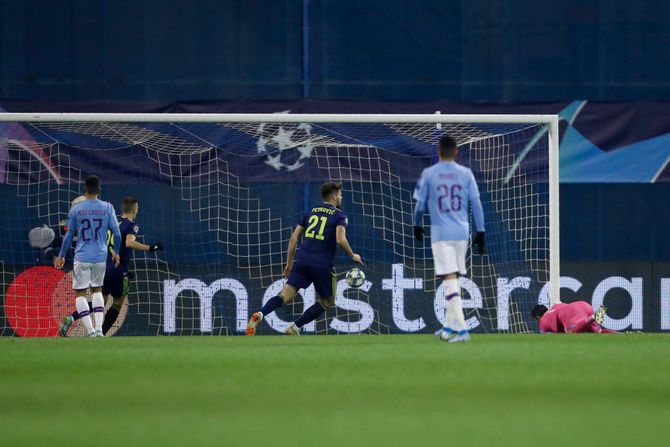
column 224, row 192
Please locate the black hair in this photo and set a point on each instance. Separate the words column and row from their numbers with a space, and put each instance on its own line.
column 329, row 188
column 538, row 311
column 92, row 185
column 447, row 146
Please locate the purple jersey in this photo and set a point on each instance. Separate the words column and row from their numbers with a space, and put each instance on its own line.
column 319, row 244
column 126, row 227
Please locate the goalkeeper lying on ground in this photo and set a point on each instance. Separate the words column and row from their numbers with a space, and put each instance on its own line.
column 570, row 318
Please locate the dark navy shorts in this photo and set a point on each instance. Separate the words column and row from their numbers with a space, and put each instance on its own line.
column 303, row 275
column 115, row 284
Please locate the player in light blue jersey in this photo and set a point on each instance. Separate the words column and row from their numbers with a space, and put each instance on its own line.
column 447, row 189
column 90, row 220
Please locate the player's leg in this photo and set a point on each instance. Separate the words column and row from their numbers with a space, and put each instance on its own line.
column 84, row 312
column 443, row 267
column 325, row 284
column 578, row 324
column 98, row 301
column 68, row 320
column 453, row 288
column 98, row 309
column 113, row 313
column 81, row 281
column 115, row 286
column 295, row 281
column 586, row 324
column 65, row 325
column 455, row 309
column 449, row 257
column 596, row 325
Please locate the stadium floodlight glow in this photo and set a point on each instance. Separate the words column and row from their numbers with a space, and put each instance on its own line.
column 225, row 190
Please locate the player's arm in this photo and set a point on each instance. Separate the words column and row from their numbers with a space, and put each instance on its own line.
column 114, row 226
column 132, row 243
column 341, row 236
column 292, row 245
column 421, row 197
column 116, row 232
column 477, row 214
column 67, row 240
column 545, row 327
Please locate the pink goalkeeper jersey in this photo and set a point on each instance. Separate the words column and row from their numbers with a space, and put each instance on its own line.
column 567, row 317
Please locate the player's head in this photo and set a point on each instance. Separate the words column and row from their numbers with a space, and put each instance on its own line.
column 538, row 311
column 447, row 148
column 130, row 207
column 92, row 185
column 331, row 192
column 77, row 200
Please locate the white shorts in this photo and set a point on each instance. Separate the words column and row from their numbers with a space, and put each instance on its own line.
column 86, row 274
column 449, row 257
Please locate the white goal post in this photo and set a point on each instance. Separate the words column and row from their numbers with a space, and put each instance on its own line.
column 510, row 154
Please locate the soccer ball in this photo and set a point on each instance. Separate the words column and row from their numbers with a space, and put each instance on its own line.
column 355, row 277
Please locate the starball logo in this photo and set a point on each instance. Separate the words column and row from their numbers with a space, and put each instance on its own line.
column 288, row 146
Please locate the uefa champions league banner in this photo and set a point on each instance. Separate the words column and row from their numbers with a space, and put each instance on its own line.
column 192, row 301
column 601, row 142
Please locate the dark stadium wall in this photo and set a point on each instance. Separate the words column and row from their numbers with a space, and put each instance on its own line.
column 465, row 50
column 615, row 222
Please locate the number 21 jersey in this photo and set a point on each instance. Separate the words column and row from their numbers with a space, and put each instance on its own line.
column 320, row 242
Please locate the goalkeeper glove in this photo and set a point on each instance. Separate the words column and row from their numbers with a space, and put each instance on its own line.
column 156, row 246
column 479, row 241
column 418, row 233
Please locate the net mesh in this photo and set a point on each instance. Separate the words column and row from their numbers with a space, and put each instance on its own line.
column 224, row 199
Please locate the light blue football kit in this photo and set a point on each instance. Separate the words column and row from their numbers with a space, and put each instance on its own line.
column 447, row 189
column 90, row 219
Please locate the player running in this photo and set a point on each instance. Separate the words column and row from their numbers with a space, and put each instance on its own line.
column 570, row 318
column 447, row 188
column 117, row 278
column 90, row 220
column 324, row 227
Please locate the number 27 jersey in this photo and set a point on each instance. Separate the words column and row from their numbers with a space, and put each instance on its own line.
column 320, row 241
column 90, row 219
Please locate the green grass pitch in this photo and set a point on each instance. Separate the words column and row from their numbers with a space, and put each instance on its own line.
column 403, row 390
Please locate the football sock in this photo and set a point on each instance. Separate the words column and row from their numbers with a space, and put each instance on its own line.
column 457, row 309
column 454, row 305
column 110, row 318
column 273, row 303
column 311, row 314
column 75, row 315
column 82, row 308
column 98, row 309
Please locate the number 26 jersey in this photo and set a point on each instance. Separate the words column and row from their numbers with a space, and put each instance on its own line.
column 447, row 189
